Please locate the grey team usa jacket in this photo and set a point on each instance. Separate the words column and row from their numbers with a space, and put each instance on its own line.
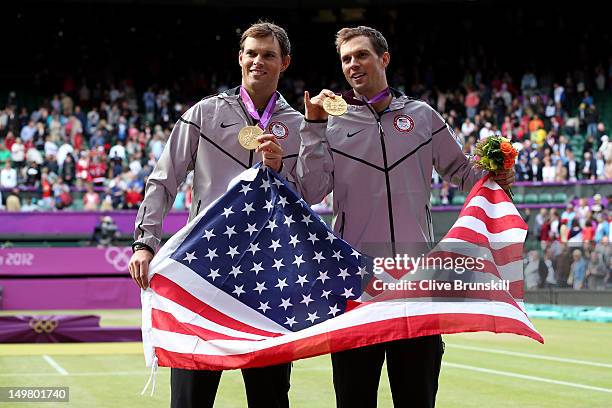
column 205, row 140
column 379, row 168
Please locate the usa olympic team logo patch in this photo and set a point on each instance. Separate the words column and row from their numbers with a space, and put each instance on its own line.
column 403, row 123
column 279, row 130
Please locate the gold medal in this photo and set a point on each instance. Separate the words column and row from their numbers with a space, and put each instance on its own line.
column 247, row 137
column 335, row 106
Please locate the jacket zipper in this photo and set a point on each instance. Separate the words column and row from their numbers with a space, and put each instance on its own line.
column 342, row 221
column 429, row 223
column 381, row 132
column 144, row 212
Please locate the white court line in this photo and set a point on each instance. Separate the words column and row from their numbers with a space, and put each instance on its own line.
column 527, row 377
column 54, row 364
column 446, row 364
column 85, row 374
column 529, row 355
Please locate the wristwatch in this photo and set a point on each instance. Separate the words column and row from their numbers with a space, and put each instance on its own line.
column 137, row 246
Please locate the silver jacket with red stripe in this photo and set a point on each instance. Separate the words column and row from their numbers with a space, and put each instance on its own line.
column 379, row 167
column 205, row 140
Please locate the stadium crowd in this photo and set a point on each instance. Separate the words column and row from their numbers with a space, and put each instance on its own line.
column 103, row 142
column 575, row 248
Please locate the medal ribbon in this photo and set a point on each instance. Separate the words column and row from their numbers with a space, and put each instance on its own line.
column 379, row 96
column 267, row 115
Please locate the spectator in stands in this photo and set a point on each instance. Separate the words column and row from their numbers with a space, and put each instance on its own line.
column 597, row 205
column 91, row 199
column 468, row 127
column 582, row 210
column 572, row 166
column 133, row 198
column 157, row 146
column 600, row 166
column 529, row 83
column 29, row 205
column 577, row 270
column 5, row 154
column 606, row 148
column 536, row 169
column 560, row 172
column 548, row 171
column 32, row 175
column 46, row 189
column 8, row 176
column 596, row 272
column 535, row 271
column 589, row 144
column 97, row 169
column 554, row 225
column 64, row 150
column 446, row 193
column 562, row 265
column 588, row 230
column 61, row 194
column 27, row 132
column 589, row 167
column 97, row 140
column 551, row 280
column 18, row 154
column 604, row 249
column 575, row 231
column 118, row 151
column 545, row 230
column 603, row 227
column 539, row 220
column 471, row 102
column 562, row 147
column 68, row 170
column 592, row 118
column 33, row 155
column 51, row 165
column 13, row 203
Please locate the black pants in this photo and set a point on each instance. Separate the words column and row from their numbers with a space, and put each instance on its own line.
column 413, row 366
column 266, row 387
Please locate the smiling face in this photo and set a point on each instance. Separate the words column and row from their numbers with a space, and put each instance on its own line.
column 363, row 69
column 261, row 62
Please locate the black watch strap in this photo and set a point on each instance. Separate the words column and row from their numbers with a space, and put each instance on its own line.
column 137, row 246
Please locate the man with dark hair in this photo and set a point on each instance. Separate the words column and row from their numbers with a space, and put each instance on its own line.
column 388, row 144
column 205, row 140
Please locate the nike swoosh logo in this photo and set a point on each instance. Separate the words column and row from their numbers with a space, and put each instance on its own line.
column 223, row 125
column 353, row 134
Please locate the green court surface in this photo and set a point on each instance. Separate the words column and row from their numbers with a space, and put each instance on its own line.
column 572, row 369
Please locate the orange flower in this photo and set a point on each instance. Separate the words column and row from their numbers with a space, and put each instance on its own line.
column 506, row 148
column 508, row 163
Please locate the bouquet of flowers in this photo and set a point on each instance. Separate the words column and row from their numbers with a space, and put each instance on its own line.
column 495, row 153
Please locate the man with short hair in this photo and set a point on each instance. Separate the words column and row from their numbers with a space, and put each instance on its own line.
column 384, row 150
column 205, row 140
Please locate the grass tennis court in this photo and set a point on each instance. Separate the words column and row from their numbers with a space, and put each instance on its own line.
column 573, row 369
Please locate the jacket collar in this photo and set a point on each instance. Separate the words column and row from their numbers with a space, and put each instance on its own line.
column 233, row 97
column 398, row 102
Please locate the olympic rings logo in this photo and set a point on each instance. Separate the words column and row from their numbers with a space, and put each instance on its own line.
column 118, row 257
column 43, row 326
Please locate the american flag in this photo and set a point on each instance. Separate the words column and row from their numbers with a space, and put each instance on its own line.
column 258, row 279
